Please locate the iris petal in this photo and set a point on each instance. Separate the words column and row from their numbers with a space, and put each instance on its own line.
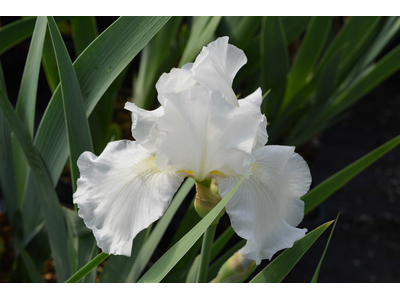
column 205, row 133
column 217, row 65
column 144, row 125
column 121, row 192
column 266, row 207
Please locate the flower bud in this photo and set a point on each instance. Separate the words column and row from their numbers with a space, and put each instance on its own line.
column 235, row 269
column 207, row 197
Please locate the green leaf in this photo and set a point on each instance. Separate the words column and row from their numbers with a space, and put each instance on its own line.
column 49, row 63
column 315, row 277
column 277, row 270
column 79, row 139
column 201, row 33
column 26, row 101
column 369, row 79
column 7, row 176
column 192, row 274
column 157, row 272
column 84, row 31
column 87, row 268
column 101, row 128
column 294, row 26
column 388, row 31
column 318, row 194
column 326, row 84
column 157, row 57
column 96, row 69
column 118, row 267
column 180, row 270
column 352, row 35
column 17, row 31
column 33, row 271
column 307, row 55
column 274, row 64
column 222, row 240
column 244, row 30
column 44, row 188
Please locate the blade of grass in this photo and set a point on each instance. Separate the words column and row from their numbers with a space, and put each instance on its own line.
column 318, row 194
column 157, row 272
column 79, row 139
column 44, row 187
column 277, row 270
column 315, row 277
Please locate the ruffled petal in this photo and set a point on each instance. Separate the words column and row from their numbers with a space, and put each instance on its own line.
column 144, row 125
column 255, row 100
column 121, row 192
column 217, row 65
column 204, row 132
column 266, row 207
column 175, row 81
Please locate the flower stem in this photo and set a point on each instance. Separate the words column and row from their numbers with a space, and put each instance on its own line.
column 87, row 268
column 208, row 239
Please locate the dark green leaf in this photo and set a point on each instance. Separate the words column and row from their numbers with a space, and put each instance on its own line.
column 274, row 64
column 307, row 55
column 318, row 194
column 44, row 187
column 79, row 139
column 277, row 270
column 315, row 277
column 294, row 26
column 84, row 31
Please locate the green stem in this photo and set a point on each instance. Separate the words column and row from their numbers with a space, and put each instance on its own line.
column 206, row 246
column 87, row 268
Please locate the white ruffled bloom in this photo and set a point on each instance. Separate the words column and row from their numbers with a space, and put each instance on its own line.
column 200, row 130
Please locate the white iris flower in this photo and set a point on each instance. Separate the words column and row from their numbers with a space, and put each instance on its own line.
column 200, row 130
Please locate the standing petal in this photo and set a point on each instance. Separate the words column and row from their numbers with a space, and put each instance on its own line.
column 266, row 207
column 217, row 65
column 121, row 192
column 255, row 100
column 205, row 133
column 175, row 81
column 144, row 125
